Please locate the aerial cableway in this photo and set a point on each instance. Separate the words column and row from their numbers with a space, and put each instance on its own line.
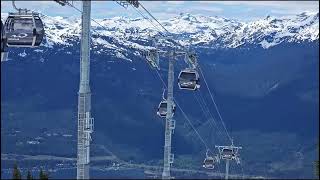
column 24, row 28
column 193, row 79
column 189, row 79
column 209, row 161
column 152, row 57
column 163, row 105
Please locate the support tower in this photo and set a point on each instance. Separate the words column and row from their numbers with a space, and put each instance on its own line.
column 170, row 123
column 85, row 122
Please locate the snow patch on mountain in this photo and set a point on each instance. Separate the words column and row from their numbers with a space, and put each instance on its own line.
column 122, row 34
column 265, row 44
column 23, row 54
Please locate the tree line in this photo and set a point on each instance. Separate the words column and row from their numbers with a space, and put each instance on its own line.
column 16, row 175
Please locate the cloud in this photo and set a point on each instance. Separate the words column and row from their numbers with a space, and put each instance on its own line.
column 175, row 2
column 45, row 7
column 287, row 6
column 199, row 8
column 170, row 9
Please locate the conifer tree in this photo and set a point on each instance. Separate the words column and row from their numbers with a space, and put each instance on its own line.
column 317, row 164
column 16, row 172
column 40, row 174
column 29, row 175
column 43, row 175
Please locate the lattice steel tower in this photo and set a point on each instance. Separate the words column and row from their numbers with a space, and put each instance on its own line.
column 85, row 122
column 170, row 123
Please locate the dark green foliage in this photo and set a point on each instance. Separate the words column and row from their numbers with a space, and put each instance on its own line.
column 29, row 175
column 317, row 168
column 40, row 174
column 43, row 175
column 317, row 164
column 16, row 172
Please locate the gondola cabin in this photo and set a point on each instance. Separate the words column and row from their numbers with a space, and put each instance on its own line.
column 162, row 109
column 227, row 154
column 189, row 79
column 4, row 51
column 208, row 163
column 1, row 32
column 24, row 30
column 2, row 38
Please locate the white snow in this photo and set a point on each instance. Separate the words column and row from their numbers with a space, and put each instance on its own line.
column 274, row 87
column 38, row 138
column 265, row 44
column 122, row 56
column 38, row 50
column 23, row 54
column 67, row 135
column 105, row 43
column 33, row 142
column 215, row 32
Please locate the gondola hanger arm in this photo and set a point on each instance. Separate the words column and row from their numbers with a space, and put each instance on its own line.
column 18, row 9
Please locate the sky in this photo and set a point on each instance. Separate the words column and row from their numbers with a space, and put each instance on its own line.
column 241, row 10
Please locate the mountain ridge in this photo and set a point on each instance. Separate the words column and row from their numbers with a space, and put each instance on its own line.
column 266, row 96
column 201, row 31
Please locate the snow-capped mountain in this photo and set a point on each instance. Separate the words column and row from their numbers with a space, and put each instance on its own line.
column 119, row 33
column 264, row 75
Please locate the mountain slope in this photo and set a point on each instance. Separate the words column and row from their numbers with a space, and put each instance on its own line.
column 266, row 96
column 119, row 34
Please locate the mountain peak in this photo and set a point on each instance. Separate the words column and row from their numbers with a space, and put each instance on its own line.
column 185, row 14
column 303, row 14
column 188, row 17
column 268, row 17
column 208, row 31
